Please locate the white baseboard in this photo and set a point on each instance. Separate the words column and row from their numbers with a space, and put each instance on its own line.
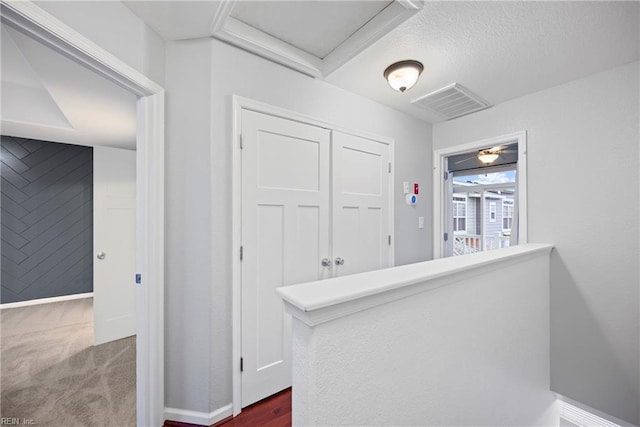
column 195, row 417
column 45, row 300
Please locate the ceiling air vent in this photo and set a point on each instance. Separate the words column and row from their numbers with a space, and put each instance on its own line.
column 451, row 101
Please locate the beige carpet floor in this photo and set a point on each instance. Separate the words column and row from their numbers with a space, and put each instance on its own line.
column 56, row 377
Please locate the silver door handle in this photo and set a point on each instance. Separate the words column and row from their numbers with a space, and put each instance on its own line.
column 101, row 255
column 325, row 262
column 339, row 261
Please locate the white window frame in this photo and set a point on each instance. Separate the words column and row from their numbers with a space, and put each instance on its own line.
column 510, row 203
column 439, row 158
column 466, row 207
column 493, row 213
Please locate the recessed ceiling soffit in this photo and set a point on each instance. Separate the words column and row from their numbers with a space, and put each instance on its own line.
column 313, row 37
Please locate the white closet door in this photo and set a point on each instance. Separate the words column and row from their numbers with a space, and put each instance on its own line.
column 360, row 204
column 285, row 222
column 114, row 242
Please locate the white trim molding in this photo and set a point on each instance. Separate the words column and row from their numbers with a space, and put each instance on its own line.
column 227, row 28
column 43, row 27
column 45, row 300
column 238, row 104
column 198, row 418
column 439, row 157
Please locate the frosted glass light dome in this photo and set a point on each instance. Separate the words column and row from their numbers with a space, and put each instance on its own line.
column 487, row 156
column 403, row 75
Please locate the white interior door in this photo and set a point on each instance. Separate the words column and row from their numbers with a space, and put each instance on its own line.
column 361, row 230
column 285, row 222
column 114, row 195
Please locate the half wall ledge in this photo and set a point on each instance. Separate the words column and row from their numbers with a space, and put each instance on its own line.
column 321, row 301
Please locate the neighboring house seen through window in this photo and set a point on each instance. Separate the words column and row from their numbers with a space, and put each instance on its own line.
column 459, row 214
column 507, row 214
column 482, row 210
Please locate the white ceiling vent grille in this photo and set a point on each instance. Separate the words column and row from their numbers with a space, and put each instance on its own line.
column 451, row 101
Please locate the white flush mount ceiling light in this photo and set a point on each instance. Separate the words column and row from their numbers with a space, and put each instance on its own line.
column 403, row 75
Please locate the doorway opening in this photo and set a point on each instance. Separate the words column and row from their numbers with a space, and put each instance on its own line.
column 480, row 192
column 31, row 20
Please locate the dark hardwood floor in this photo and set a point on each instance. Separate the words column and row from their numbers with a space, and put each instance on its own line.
column 274, row 411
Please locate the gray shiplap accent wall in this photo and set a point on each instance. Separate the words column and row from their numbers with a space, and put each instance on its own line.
column 47, row 219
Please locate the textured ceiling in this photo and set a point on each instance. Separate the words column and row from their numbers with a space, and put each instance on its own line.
column 47, row 96
column 499, row 50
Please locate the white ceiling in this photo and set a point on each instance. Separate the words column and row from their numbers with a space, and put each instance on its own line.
column 309, row 25
column 49, row 97
column 499, row 50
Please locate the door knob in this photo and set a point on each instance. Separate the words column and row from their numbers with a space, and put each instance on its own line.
column 339, row 261
column 101, row 255
column 325, row 262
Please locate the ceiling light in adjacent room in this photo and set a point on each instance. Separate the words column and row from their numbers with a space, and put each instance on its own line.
column 487, row 156
column 403, row 75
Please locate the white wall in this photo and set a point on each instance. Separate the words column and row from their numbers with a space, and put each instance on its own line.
column 188, row 219
column 583, row 178
column 472, row 351
column 199, row 196
column 115, row 28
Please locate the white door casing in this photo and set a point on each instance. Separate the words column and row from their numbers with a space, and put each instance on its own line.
column 360, row 199
column 447, row 219
column 114, row 242
column 32, row 20
column 285, row 215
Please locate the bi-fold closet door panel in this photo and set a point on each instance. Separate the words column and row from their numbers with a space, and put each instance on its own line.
column 308, row 194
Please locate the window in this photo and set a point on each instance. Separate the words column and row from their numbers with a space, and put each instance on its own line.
column 459, row 214
column 507, row 214
column 492, row 211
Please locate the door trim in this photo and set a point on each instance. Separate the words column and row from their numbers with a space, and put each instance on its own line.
column 41, row 26
column 438, row 183
column 238, row 104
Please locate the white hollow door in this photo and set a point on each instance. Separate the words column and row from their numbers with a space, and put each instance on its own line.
column 361, row 230
column 114, row 201
column 285, row 222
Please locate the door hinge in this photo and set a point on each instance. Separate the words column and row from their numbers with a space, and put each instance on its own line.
column 241, row 364
column 446, row 237
column 389, row 167
column 389, row 239
column 241, row 252
column 241, row 142
column 446, row 175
